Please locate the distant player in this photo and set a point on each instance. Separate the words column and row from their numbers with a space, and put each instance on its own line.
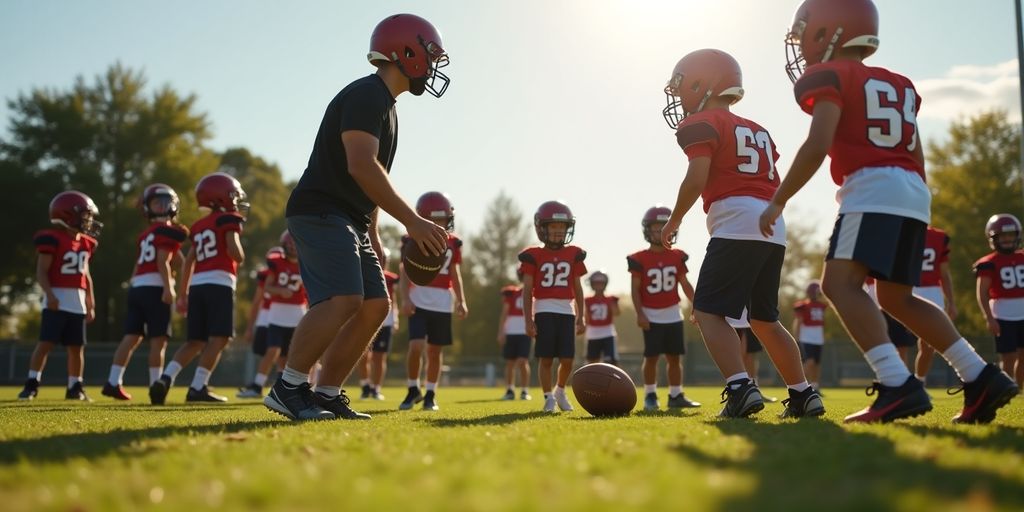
column 809, row 329
column 936, row 286
column 658, row 272
column 151, row 295
column 553, row 298
column 256, row 332
column 62, row 271
column 430, row 307
column 1001, row 291
column 732, row 166
column 374, row 363
column 601, row 312
column 513, row 340
column 206, row 293
column 865, row 118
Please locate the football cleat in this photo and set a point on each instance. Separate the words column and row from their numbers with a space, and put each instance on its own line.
column 367, row 392
column 413, row 397
column 429, row 401
column 549, row 404
column 30, row 391
column 680, row 402
column 116, row 392
column 893, row 403
column 338, row 406
column 563, row 401
column 250, row 391
column 377, row 395
column 651, row 401
column 76, row 392
column 742, row 401
column 525, row 395
column 158, row 390
column 509, row 395
column 295, row 402
column 802, row 403
column 204, row 395
column 982, row 398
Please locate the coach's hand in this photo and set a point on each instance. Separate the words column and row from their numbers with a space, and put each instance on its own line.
column 431, row 238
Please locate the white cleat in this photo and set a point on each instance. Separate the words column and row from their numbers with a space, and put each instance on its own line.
column 549, row 404
column 563, row 402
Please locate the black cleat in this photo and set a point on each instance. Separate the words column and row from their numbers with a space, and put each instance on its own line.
column 982, row 398
column 204, row 395
column 742, row 401
column 367, row 392
column 413, row 397
column 509, row 395
column 30, row 391
column 76, row 392
column 802, row 404
column 681, row 402
column 158, row 390
column 893, row 403
column 339, row 406
column 295, row 402
column 429, row 402
column 116, row 392
column 251, row 391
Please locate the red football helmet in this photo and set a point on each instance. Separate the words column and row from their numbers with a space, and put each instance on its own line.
column 696, row 78
column 656, row 215
column 415, row 46
column 436, row 206
column 999, row 224
column 820, row 27
column 159, row 200
column 221, row 192
column 275, row 252
column 550, row 212
column 598, row 277
column 813, row 289
column 76, row 211
column 288, row 244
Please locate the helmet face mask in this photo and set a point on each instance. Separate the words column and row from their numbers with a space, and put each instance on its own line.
column 1004, row 233
column 820, row 28
column 414, row 45
column 698, row 77
column 77, row 212
column 555, row 224
column 653, row 221
column 160, row 201
column 436, row 207
column 598, row 281
column 221, row 192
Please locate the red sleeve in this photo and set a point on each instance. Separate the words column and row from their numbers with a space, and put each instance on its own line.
column 45, row 242
column 529, row 263
column 697, row 139
column 985, row 267
column 168, row 237
column 634, row 265
column 581, row 267
column 817, row 84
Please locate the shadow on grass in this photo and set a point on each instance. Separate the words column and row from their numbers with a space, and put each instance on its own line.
column 796, row 464
column 1002, row 439
column 494, row 419
column 62, row 447
column 486, row 401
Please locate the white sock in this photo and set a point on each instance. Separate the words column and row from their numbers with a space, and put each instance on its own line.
column 559, row 391
column 377, row 388
column 799, row 387
column 73, row 380
column 260, row 380
column 364, row 382
column 413, row 383
column 116, row 375
column 201, row 379
column 172, row 370
column 154, row 374
column 32, row 374
column 431, row 386
column 920, row 378
column 511, row 387
column 888, row 367
column 675, row 390
column 294, row 377
column 650, row 388
column 738, row 377
column 329, row 391
column 962, row 357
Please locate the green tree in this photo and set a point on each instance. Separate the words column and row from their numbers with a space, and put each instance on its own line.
column 973, row 174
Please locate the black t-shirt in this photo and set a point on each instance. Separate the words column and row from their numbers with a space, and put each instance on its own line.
column 326, row 187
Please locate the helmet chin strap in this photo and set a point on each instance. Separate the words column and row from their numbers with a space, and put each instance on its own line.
column 418, row 85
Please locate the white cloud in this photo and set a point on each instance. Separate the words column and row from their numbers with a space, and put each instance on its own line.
column 968, row 89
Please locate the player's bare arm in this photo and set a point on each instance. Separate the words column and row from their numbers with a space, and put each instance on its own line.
column 531, row 326
column 946, row 280
column 254, row 311
column 361, row 153
column 406, row 307
column 461, row 308
column 43, row 278
column 234, row 243
column 641, row 318
column 501, row 323
column 187, row 266
column 983, row 297
column 90, row 300
column 164, row 259
column 581, row 317
column 689, row 190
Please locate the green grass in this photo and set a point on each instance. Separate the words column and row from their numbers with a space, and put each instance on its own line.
column 479, row 453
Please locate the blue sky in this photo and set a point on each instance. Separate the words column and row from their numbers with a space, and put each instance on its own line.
column 549, row 99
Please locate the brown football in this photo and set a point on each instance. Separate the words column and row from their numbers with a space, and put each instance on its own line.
column 604, row 390
column 421, row 268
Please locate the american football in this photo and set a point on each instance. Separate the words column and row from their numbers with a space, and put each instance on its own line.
column 604, row 390
column 420, row 267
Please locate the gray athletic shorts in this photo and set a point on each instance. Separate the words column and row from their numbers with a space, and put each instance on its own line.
column 336, row 259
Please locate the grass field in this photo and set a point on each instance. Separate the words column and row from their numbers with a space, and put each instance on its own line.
column 479, row 453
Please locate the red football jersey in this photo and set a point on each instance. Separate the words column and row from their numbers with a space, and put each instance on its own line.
column 878, row 124
column 513, row 296
column 811, row 313
column 155, row 237
column 659, row 272
column 599, row 310
column 285, row 273
column 554, row 271
column 453, row 256
column 1006, row 272
column 209, row 241
column 936, row 252
column 742, row 154
column 71, row 255
column 390, row 280
column 261, row 278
